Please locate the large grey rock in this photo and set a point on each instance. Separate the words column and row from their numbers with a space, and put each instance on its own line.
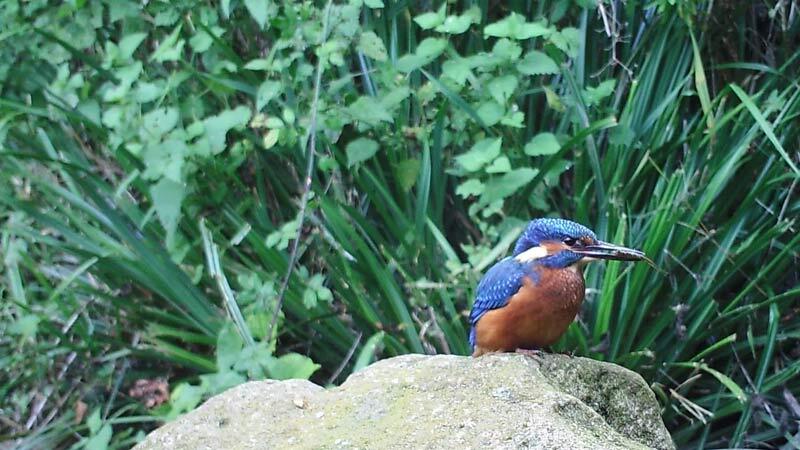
column 434, row 402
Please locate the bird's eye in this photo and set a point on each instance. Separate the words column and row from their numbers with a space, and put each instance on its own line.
column 570, row 241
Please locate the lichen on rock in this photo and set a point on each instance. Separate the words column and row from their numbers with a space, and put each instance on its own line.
column 435, row 402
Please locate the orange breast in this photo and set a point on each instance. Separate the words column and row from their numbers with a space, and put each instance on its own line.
column 536, row 316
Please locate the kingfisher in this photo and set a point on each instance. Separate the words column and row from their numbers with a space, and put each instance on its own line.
column 528, row 300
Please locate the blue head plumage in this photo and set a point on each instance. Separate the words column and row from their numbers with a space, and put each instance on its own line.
column 553, row 230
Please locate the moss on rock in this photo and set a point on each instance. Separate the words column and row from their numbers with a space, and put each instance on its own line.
column 416, row 401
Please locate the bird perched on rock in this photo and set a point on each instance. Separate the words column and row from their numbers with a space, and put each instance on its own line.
column 528, row 300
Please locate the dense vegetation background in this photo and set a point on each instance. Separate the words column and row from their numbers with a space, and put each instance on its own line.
column 196, row 193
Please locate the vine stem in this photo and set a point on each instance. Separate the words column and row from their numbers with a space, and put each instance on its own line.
column 311, row 148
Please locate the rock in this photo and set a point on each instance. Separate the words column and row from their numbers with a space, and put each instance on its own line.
column 434, row 402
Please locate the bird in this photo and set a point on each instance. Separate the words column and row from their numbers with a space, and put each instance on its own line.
column 527, row 301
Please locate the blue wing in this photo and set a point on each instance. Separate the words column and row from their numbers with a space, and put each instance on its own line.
column 496, row 288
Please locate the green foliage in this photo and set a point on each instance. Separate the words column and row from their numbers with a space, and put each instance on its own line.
column 213, row 193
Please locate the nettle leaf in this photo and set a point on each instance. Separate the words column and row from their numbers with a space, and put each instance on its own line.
column 258, row 64
column 542, row 144
column 471, row 187
column 170, row 48
column 129, row 44
column 507, row 50
column 429, row 20
column 515, row 27
column 202, row 40
column 490, row 112
column 371, row 45
column 501, row 187
column 100, row 440
column 167, row 198
column 514, row 119
column 395, row 97
column 292, row 365
column 159, row 122
column 360, row 150
column 266, row 92
column 567, row 40
column 537, row 63
column 480, row 154
column 457, row 70
column 259, row 10
column 501, row 88
column 427, row 51
column 460, row 24
column 217, row 127
column 499, row 165
column 407, row 172
column 595, row 95
column 368, row 110
column 229, row 346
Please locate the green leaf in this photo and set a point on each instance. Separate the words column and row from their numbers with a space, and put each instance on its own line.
column 26, row 326
column 258, row 64
column 490, row 112
column 427, row 51
column 167, row 198
column 367, row 353
column 229, row 345
column 499, row 165
column 553, row 100
column 271, row 138
column 457, row 70
column 471, row 187
column 291, row 366
column 374, row 3
column 259, row 11
column 429, row 20
column 129, row 44
column 225, row 6
column 184, row 398
column 596, row 94
column 508, row 184
column 371, row 45
column 507, row 50
column 159, row 122
column 542, row 144
column 502, row 87
column 170, row 48
column 537, row 63
column 366, row 109
column 100, row 440
column 268, row 90
column 567, row 40
column 514, row 26
column 480, row 154
column 407, row 173
column 395, row 97
column 217, row 127
column 457, row 24
column 94, row 422
column 765, row 126
column 360, row 150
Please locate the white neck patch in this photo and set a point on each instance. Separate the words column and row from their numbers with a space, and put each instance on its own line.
column 531, row 254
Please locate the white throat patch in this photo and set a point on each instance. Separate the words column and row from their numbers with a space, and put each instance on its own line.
column 532, row 253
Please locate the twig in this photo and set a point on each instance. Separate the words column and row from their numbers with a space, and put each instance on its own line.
column 346, row 359
column 311, row 144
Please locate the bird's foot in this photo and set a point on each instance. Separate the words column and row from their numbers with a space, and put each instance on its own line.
column 531, row 353
column 570, row 353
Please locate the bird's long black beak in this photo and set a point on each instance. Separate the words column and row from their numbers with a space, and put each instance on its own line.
column 604, row 250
